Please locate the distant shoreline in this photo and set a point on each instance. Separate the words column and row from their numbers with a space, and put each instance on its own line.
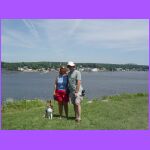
column 87, row 67
column 33, row 71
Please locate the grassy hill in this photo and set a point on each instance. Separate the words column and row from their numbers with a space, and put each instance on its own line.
column 126, row 111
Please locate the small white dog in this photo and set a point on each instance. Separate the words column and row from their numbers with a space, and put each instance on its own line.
column 49, row 111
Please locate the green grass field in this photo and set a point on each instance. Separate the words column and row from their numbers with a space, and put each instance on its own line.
column 126, row 111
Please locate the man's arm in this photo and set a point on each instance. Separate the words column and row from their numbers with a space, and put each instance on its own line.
column 78, row 86
column 78, row 82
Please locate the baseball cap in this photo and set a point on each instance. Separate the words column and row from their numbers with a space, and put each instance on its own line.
column 70, row 63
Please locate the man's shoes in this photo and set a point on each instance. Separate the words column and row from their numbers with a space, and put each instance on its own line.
column 78, row 120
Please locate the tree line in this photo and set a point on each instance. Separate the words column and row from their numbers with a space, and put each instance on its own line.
column 55, row 65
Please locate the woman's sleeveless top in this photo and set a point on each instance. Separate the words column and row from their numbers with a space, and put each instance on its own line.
column 62, row 82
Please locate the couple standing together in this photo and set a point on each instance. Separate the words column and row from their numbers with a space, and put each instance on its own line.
column 69, row 85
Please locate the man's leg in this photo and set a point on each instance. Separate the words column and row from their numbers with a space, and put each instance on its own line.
column 72, row 98
column 77, row 107
column 75, row 110
column 78, row 111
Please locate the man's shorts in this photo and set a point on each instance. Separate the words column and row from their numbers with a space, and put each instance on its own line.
column 75, row 99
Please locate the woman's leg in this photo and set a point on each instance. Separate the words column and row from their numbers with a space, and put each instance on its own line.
column 60, row 106
column 66, row 108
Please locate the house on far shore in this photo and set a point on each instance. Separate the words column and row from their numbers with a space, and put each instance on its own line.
column 20, row 69
column 95, row 70
column 119, row 69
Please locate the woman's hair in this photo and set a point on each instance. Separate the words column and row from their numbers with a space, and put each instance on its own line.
column 63, row 70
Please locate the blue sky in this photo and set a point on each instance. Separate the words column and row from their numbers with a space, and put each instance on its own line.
column 80, row 40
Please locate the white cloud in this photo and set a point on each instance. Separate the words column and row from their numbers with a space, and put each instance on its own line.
column 115, row 34
column 17, row 39
column 57, row 37
column 31, row 27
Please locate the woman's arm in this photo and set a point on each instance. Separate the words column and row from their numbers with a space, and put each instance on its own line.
column 55, row 86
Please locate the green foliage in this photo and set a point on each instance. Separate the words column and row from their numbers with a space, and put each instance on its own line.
column 123, row 96
column 125, row 111
column 46, row 65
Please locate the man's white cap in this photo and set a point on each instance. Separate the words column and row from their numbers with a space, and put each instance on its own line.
column 70, row 63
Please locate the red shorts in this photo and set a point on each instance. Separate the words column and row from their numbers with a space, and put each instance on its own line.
column 61, row 96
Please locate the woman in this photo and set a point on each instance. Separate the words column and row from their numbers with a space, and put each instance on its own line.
column 60, row 91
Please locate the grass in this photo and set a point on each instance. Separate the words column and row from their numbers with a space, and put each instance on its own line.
column 126, row 111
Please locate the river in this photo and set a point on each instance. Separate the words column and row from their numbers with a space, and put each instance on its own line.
column 31, row 85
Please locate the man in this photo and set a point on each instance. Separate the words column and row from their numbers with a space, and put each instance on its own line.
column 75, row 89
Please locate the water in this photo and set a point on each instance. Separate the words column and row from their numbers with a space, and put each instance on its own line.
column 23, row 85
